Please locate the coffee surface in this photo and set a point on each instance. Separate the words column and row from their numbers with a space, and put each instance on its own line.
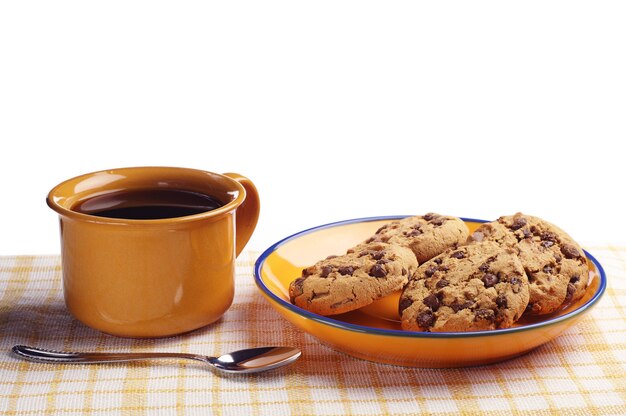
column 148, row 204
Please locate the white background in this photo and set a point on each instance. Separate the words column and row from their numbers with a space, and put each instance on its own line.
column 335, row 109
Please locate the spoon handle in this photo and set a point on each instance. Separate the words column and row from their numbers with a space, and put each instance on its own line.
column 49, row 356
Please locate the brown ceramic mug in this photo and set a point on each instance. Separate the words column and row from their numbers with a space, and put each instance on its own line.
column 152, row 277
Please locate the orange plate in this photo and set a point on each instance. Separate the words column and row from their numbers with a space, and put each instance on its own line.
column 373, row 333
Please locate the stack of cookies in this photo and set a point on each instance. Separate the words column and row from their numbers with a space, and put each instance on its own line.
column 451, row 281
column 377, row 267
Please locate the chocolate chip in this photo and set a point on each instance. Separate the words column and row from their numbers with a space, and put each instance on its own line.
column 457, row 255
column 438, row 221
column 364, row 253
column 484, row 267
column 456, row 307
column 516, row 283
column 430, row 271
column 547, row 269
column 570, row 252
column 404, row 303
column 326, row 270
column 460, row 306
column 332, row 256
column 377, row 255
column 344, row 270
column 571, row 289
column 527, row 234
column 486, row 314
column 558, row 258
column 426, row 319
column 306, row 272
column 548, row 236
column 489, row 279
column 438, row 260
column 430, row 216
column 383, row 261
column 501, row 301
column 443, row 268
column 547, row 243
column 299, row 283
column 415, row 231
column 442, row 283
column 432, row 302
column 370, row 240
column 378, row 270
column 518, row 223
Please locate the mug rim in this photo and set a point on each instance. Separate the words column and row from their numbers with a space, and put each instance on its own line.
column 69, row 213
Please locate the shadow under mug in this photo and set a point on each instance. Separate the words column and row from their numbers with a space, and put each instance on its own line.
column 154, row 277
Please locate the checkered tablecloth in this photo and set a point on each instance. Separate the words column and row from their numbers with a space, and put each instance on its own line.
column 581, row 372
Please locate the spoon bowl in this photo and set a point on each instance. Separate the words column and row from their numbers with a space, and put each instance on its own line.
column 252, row 360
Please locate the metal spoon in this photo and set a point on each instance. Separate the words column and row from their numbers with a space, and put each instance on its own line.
column 252, row 360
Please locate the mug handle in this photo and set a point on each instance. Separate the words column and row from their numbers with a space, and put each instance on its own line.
column 247, row 213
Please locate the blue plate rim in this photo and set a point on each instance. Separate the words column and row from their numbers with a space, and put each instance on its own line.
column 402, row 333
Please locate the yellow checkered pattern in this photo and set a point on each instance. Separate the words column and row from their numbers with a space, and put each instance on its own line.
column 581, row 372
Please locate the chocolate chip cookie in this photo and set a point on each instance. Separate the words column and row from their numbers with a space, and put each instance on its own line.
column 364, row 274
column 427, row 235
column 469, row 288
column 554, row 263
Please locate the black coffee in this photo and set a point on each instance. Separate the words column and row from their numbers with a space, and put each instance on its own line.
column 148, row 204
